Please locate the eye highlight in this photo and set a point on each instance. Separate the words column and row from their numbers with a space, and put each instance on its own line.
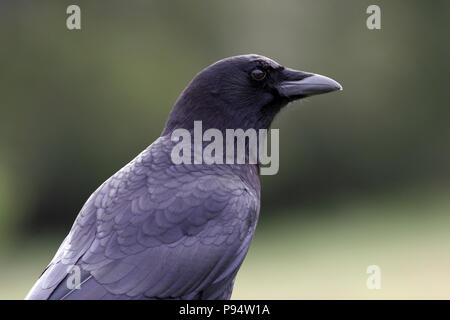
column 258, row 74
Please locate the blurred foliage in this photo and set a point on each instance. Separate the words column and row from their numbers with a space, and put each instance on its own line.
column 314, row 256
column 78, row 105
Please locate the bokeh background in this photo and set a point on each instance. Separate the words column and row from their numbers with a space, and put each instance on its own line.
column 364, row 174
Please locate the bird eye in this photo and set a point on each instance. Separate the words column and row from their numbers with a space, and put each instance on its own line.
column 258, row 74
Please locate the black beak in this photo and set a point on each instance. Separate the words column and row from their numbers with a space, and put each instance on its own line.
column 299, row 84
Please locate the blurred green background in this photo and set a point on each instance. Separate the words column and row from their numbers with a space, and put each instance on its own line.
column 364, row 174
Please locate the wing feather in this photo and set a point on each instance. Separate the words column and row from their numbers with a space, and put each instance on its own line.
column 157, row 230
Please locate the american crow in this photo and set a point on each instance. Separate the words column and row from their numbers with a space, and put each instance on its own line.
column 159, row 230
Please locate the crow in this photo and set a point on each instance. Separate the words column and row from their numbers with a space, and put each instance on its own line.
column 160, row 230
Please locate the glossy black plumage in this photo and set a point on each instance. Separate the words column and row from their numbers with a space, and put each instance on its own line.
column 156, row 230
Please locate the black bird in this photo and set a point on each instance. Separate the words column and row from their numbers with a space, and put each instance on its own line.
column 159, row 230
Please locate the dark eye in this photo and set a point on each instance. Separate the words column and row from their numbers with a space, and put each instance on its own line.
column 258, row 74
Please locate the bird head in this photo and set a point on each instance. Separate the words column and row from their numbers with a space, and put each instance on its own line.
column 244, row 92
